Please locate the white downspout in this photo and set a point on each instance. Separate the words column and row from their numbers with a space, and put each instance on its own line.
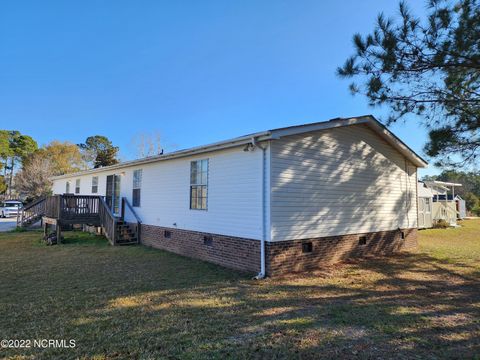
column 262, row 273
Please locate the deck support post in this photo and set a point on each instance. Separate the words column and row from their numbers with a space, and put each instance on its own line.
column 59, row 233
column 45, row 230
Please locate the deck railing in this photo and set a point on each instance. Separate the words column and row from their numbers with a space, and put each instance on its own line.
column 52, row 206
column 79, row 207
column 127, row 208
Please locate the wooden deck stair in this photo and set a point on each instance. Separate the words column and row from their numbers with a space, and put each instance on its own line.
column 31, row 213
column 126, row 234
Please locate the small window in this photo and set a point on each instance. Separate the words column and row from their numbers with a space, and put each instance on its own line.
column 137, row 186
column 94, row 184
column 167, row 234
column 402, row 235
column 307, row 247
column 198, row 184
column 77, row 186
column 67, row 188
column 207, row 240
column 362, row 240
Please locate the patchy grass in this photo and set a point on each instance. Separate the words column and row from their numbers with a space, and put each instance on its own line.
column 135, row 302
column 454, row 244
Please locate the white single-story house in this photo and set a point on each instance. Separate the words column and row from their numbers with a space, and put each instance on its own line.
column 277, row 201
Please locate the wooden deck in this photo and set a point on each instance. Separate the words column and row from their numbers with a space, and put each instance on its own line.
column 69, row 209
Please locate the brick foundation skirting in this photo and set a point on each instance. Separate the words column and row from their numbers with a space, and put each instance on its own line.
column 281, row 257
column 288, row 256
column 232, row 252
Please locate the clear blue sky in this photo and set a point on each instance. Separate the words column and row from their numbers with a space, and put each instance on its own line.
column 194, row 71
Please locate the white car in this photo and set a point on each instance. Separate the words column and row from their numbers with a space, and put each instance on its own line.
column 10, row 208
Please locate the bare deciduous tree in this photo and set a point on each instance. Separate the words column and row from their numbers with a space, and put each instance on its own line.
column 147, row 144
column 33, row 180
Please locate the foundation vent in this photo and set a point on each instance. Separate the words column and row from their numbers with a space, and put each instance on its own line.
column 362, row 240
column 307, row 247
column 207, row 240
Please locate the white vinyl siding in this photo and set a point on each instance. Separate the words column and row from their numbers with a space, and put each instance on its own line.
column 234, row 193
column 339, row 181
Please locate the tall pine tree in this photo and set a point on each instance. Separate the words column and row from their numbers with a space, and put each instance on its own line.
column 428, row 68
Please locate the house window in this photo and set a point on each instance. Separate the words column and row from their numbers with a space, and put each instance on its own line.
column 67, row 188
column 77, row 186
column 94, row 184
column 137, row 185
column 198, row 184
column 167, row 234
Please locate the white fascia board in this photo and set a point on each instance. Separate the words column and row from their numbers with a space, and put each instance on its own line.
column 174, row 155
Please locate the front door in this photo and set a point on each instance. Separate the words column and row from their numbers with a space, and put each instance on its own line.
column 112, row 193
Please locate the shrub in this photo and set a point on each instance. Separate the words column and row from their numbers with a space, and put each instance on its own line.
column 441, row 224
column 476, row 210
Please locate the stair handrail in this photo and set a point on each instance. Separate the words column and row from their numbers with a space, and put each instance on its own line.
column 138, row 227
column 35, row 202
column 20, row 217
column 108, row 221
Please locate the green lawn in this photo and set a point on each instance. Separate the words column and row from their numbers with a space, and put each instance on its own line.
column 135, row 302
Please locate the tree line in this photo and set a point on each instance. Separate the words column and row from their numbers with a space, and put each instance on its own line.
column 26, row 168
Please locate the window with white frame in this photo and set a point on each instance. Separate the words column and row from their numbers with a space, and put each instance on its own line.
column 77, row 186
column 67, row 187
column 94, row 184
column 137, row 186
column 198, row 184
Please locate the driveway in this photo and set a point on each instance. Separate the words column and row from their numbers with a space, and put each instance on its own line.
column 8, row 224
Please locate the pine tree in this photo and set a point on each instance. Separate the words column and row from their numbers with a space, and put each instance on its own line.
column 428, row 68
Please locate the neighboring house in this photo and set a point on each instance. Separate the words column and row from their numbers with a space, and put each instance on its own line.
column 445, row 204
column 276, row 201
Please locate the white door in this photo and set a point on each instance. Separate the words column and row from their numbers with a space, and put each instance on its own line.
column 421, row 213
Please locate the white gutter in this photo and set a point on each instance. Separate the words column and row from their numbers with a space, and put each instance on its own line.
column 444, row 183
